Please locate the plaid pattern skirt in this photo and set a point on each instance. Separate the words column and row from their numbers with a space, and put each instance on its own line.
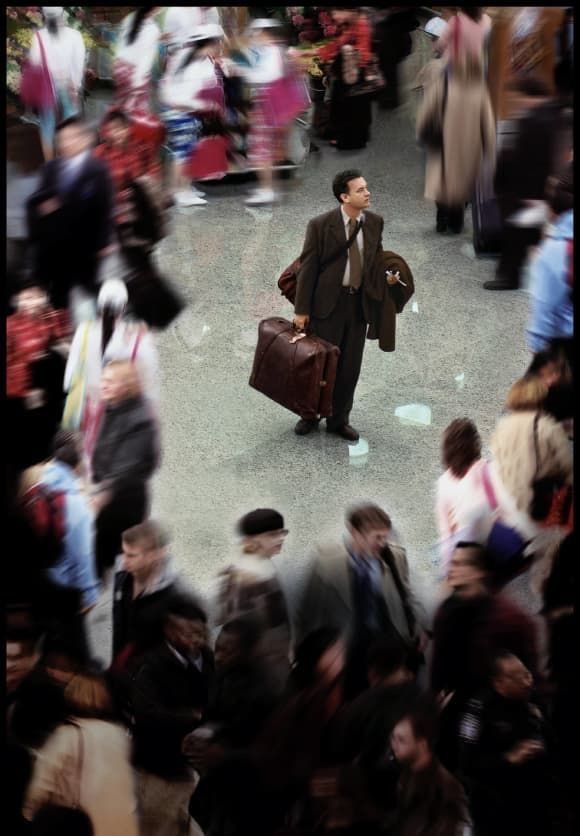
column 183, row 130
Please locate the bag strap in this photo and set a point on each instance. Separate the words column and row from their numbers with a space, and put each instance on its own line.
column 136, row 345
column 536, row 443
column 43, row 56
column 488, row 487
column 343, row 248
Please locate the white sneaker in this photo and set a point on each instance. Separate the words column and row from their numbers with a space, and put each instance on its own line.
column 261, row 198
column 189, row 199
column 197, row 191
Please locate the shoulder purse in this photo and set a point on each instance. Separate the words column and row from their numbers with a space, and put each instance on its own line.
column 289, row 278
column 543, row 490
column 505, row 546
column 36, row 87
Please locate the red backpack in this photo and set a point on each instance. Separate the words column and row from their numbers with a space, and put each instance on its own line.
column 45, row 510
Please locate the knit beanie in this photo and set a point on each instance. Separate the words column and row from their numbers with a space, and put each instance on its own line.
column 260, row 521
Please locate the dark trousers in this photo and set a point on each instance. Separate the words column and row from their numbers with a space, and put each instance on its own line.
column 346, row 328
column 516, row 243
column 127, row 508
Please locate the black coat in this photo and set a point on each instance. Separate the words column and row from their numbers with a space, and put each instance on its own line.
column 167, row 698
column 126, row 450
column 66, row 242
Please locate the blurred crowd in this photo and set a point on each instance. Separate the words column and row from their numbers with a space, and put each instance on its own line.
column 347, row 708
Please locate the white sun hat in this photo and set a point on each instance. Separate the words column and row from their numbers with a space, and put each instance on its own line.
column 435, row 27
column 113, row 294
column 206, row 32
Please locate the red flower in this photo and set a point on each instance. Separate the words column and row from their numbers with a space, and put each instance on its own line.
column 297, row 20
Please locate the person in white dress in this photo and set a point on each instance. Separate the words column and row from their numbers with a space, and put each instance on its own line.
column 111, row 336
column 191, row 88
column 181, row 22
column 65, row 53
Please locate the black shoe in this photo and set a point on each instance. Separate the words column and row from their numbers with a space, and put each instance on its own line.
column 456, row 230
column 441, row 226
column 500, row 284
column 303, row 427
column 345, row 431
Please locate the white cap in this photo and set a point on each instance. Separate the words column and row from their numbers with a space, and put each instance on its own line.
column 434, row 27
column 113, row 294
column 264, row 23
column 205, row 32
column 52, row 11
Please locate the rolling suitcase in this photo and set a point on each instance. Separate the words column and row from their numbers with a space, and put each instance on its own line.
column 486, row 217
column 296, row 370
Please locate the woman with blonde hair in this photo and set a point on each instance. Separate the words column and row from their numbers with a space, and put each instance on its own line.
column 123, row 461
column 85, row 764
column 250, row 585
column 531, row 451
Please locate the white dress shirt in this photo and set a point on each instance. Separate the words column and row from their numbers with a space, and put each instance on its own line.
column 359, row 241
column 65, row 55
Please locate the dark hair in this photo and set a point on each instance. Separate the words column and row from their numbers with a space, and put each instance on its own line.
column 137, row 22
column 474, row 12
column 461, row 446
column 51, row 24
column 66, row 448
column 116, row 115
column 192, row 54
column 28, row 282
column 308, row 654
column 341, row 181
column 109, row 316
column 479, row 557
column 423, row 718
column 560, row 191
column 363, row 517
column 182, row 606
column 52, row 819
column 71, row 121
column 247, row 629
column 529, row 85
column 386, row 656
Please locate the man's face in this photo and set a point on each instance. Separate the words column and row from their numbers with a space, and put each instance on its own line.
column 186, row 636
column 403, row 742
column 270, row 542
column 118, row 132
column 358, row 195
column 72, row 140
column 462, row 570
column 21, row 657
column 140, row 557
column 370, row 541
column 32, row 301
column 513, row 680
column 112, row 386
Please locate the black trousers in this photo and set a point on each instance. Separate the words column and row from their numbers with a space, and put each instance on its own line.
column 516, row 243
column 346, row 328
column 128, row 507
column 450, row 217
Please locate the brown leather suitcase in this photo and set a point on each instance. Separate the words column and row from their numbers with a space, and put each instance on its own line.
column 297, row 371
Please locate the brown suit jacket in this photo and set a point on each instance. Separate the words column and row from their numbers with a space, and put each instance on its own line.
column 324, row 235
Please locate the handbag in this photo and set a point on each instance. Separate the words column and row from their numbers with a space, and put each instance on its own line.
column 505, row 545
column 36, row 87
column 209, row 160
column 545, row 489
column 370, row 81
column 289, row 279
column 75, row 401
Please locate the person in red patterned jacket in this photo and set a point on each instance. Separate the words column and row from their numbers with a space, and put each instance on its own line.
column 37, row 338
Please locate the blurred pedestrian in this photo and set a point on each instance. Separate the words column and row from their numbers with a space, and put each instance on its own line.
column 250, row 585
column 531, row 458
column 361, row 585
column 277, row 100
column 180, row 23
column 465, row 38
column 62, row 50
column 459, row 107
column 86, row 762
column 552, row 271
column 136, row 55
column 503, row 753
column 526, row 159
column 191, row 92
column 23, row 163
column 37, row 339
column 430, row 800
column 124, row 458
column 394, row 43
column 69, row 219
column 169, row 696
column 111, row 336
column 462, row 507
column 431, row 71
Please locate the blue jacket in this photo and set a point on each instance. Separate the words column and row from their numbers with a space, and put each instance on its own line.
column 76, row 566
column 551, row 310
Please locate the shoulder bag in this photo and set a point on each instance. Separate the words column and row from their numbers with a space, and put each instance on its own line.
column 289, row 278
column 505, row 546
column 36, row 87
column 544, row 490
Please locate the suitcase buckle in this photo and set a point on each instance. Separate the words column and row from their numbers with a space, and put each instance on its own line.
column 297, row 337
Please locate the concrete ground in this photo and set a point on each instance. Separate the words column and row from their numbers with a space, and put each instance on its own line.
column 227, row 449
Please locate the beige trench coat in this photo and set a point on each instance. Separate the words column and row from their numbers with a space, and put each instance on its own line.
column 468, row 135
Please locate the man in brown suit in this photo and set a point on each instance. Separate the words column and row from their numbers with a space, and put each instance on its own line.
column 336, row 302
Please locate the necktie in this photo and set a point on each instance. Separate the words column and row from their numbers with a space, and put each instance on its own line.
column 354, row 257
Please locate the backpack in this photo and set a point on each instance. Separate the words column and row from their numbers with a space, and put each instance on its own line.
column 44, row 508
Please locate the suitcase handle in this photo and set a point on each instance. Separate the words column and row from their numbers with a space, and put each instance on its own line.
column 299, row 336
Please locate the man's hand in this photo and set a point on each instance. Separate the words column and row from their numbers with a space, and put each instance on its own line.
column 300, row 322
column 47, row 207
column 524, row 751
